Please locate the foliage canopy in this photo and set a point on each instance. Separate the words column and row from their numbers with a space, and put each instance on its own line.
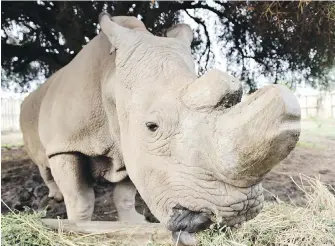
column 285, row 40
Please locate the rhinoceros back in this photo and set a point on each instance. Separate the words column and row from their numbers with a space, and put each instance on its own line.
column 66, row 114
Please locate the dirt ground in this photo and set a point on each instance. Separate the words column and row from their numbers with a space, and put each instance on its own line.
column 22, row 185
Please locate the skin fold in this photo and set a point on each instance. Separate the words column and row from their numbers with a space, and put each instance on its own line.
column 131, row 108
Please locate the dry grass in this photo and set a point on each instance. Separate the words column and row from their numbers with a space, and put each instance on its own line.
column 285, row 224
column 278, row 224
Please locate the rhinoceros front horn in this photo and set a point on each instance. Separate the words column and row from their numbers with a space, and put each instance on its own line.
column 256, row 134
column 214, row 90
column 251, row 136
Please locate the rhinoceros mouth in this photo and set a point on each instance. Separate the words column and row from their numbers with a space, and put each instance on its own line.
column 229, row 214
column 183, row 219
column 185, row 223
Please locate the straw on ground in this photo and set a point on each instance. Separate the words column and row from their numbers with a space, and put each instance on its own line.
column 278, row 224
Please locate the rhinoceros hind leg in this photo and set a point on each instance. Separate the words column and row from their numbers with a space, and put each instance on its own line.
column 124, row 200
column 54, row 191
column 71, row 174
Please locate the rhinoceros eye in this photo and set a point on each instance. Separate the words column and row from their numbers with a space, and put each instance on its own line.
column 152, row 126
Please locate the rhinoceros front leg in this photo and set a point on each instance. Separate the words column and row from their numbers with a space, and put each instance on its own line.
column 124, row 200
column 54, row 191
column 71, row 174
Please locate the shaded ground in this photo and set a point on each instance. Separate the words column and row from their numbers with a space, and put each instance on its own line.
column 22, row 185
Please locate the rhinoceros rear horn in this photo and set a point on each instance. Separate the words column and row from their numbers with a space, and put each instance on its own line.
column 214, row 90
column 113, row 31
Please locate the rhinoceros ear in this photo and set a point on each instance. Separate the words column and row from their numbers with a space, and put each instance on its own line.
column 180, row 31
column 113, row 31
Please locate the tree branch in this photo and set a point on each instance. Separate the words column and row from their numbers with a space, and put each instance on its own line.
column 188, row 5
column 208, row 43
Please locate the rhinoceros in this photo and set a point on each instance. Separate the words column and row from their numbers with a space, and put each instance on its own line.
column 131, row 108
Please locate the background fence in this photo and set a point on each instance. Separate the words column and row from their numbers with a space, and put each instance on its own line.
column 10, row 113
column 320, row 105
column 317, row 104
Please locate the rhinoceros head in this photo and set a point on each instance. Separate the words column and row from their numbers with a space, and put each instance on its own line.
column 195, row 152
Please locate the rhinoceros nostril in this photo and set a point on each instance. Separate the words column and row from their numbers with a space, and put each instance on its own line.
column 183, row 219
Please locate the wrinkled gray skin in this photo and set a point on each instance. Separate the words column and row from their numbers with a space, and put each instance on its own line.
column 130, row 104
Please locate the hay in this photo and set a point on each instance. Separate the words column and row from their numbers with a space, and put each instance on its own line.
column 285, row 224
column 278, row 224
column 26, row 228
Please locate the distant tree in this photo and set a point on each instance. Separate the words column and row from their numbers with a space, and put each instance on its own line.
column 274, row 37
